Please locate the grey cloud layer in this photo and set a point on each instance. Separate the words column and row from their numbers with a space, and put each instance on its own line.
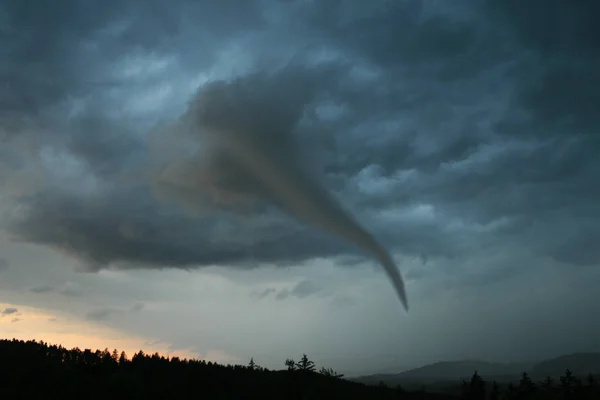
column 457, row 130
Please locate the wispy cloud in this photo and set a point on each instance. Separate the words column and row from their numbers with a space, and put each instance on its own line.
column 8, row 311
column 100, row 314
column 263, row 294
column 43, row 288
column 301, row 290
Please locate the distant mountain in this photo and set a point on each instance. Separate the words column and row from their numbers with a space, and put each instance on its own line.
column 452, row 371
column 578, row 363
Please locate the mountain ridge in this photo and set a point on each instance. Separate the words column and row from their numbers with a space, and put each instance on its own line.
column 579, row 363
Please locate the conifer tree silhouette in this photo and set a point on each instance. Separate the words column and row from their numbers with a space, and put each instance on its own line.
column 526, row 386
column 305, row 365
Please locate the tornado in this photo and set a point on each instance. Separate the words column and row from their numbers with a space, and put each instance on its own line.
column 245, row 133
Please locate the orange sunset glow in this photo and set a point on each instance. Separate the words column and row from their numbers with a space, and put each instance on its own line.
column 30, row 323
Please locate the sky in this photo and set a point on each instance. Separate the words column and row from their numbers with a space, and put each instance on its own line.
column 462, row 135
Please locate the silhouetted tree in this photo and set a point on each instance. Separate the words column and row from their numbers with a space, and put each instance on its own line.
column 547, row 385
column 329, row 372
column 252, row 364
column 290, row 364
column 138, row 358
column 123, row 358
column 568, row 384
column 475, row 389
column 526, row 387
column 305, row 365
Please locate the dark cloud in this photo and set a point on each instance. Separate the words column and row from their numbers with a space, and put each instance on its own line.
column 8, row 311
column 101, row 231
column 301, row 290
column 551, row 27
column 305, row 288
column 248, row 126
column 282, row 294
column 54, row 52
column 579, row 247
column 448, row 131
column 105, row 146
column 137, row 307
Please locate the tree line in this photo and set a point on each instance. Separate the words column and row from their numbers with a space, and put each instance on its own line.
column 37, row 370
column 568, row 386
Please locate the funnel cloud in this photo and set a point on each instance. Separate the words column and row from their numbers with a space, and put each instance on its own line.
column 229, row 118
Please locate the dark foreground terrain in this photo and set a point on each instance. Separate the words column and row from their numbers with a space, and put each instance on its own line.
column 35, row 370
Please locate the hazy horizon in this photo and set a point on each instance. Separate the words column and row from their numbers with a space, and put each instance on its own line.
column 463, row 137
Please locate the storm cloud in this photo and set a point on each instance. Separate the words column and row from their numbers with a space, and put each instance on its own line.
column 460, row 132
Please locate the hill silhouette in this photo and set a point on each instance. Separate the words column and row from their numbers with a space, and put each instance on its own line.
column 450, row 371
column 583, row 369
column 36, row 370
column 582, row 362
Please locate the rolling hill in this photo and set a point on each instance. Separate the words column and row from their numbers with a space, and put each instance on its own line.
column 453, row 371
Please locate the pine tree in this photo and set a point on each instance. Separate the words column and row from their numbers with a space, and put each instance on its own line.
column 305, row 364
column 547, row 385
column 568, row 384
column 526, row 386
column 475, row 388
column 123, row 358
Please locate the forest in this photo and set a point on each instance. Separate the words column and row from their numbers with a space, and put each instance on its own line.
column 37, row 370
